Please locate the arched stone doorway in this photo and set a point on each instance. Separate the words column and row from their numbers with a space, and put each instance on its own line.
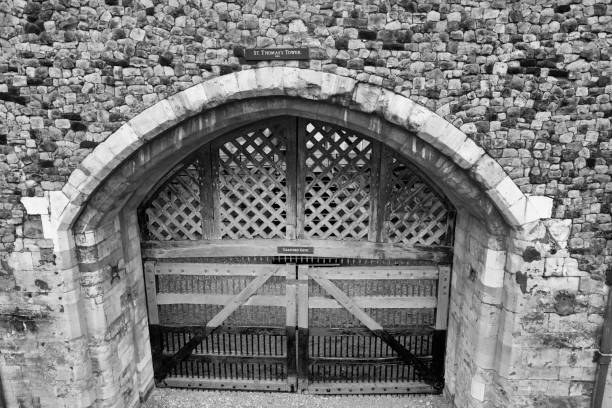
column 296, row 223
column 96, row 215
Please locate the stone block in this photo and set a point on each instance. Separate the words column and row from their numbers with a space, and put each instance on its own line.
column 21, row 261
column 397, row 109
column 559, row 231
column 488, row 172
column 36, row 205
column 442, row 135
column 188, row 102
column 293, row 83
column 506, row 193
column 123, row 142
column 467, row 154
column 57, row 203
column 336, row 86
column 542, row 206
column 477, row 388
column 366, row 97
column 269, row 81
column 76, row 179
column 153, row 120
column 493, row 271
column 520, row 213
column 562, row 266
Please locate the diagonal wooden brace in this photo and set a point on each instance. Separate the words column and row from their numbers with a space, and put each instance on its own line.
column 214, row 323
column 421, row 369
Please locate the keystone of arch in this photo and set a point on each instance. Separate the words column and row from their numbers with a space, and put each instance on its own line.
column 514, row 206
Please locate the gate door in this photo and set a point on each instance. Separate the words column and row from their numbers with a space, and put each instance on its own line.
column 372, row 329
column 222, row 326
column 295, row 223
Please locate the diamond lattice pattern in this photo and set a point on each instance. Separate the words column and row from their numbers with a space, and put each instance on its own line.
column 414, row 214
column 337, row 190
column 253, row 185
column 174, row 212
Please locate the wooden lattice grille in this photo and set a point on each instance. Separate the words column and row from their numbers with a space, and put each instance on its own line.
column 337, row 183
column 288, row 178
column 253, row 185
column 414, row 213
column 175, row 212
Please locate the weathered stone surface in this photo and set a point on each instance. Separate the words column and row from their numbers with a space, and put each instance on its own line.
column 529, row 83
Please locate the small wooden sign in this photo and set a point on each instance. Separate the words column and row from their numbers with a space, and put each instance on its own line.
column 295, row 250
column 261, row 54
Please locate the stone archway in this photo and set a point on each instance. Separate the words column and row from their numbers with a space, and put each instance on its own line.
column 93, row 225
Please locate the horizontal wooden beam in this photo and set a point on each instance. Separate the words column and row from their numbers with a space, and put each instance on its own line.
column 215, row 269
column 212, row 299
column 223, row 329
column 364, row 331
column 344, row 273
column 370, row 302
column 225, row 384
column 226, row 358
column 361, row 360
column 379, row 272
column 376, row 302
column 371, row 388
column 269, row 247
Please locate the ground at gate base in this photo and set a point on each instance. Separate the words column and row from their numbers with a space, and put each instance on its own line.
column 177, row 398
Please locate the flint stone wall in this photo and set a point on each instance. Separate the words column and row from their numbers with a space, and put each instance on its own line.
column 528, row 81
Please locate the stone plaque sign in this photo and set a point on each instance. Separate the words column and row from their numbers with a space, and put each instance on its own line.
column 260, row 54
column 295, row 250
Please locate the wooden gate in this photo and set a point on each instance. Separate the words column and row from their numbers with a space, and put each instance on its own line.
column 297, row 255
column 317, row 329
column 365, row 330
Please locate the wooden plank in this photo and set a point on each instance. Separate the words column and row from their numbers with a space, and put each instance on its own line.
column 362, row 331
column 302, row 324
column 208, row 179
column 422, row 370
column 371, row 388
column 240, row 298
column 443, row 297
column 291, row 323
column 151, row 291
column 372, row 302
column 216, row 198
column 344, row 300
column 355, row 360
column 379, row 272
column 228, row 358
column 213, row 323
column 225, row 384
column 376, row 302
column 292, row 177
column 214, row 269
column 268, row 247
column 376, row 204
column 213, row 299
column 385, row 185
column 266, row 330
